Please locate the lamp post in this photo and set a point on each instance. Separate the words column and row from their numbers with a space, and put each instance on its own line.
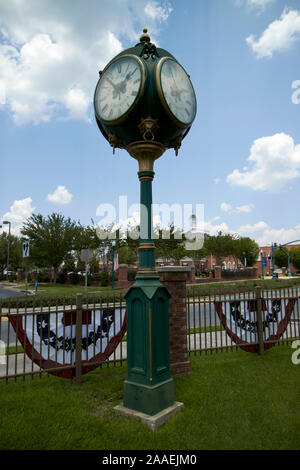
column 145, row 103
column 113, row 244
column 262, row 265
column 7, row 222
column 274, row 275
column 245, row 259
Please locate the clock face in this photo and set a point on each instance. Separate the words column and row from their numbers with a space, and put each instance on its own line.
column 120, row 86
column 176, row 91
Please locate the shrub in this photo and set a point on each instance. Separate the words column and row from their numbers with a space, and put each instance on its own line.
column 104, row 278
column 60, row 278
column 74, row 278
column 43, row 277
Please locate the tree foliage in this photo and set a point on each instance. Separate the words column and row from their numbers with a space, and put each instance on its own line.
column 295, row 256
column 15, row 252
column 51, row 239
column 281, row 259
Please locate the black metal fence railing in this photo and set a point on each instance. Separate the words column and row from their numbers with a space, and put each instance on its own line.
column 65, row 339
column 253, row 320
column 71, row 337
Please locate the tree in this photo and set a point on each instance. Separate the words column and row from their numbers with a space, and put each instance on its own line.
column 281, row 259
column 51, row 239
column 15, row 255
column 167, row 242
column 221, row 245
column 197, row 256
column 126, row 255
column 247, row 248
column 295, row 256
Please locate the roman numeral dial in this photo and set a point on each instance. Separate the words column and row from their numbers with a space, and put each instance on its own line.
column 176, row 91
column 119, row 88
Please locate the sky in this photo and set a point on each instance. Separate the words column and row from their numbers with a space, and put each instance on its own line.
column 241, row 158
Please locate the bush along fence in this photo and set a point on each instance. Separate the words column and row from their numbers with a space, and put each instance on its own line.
column 73, row 336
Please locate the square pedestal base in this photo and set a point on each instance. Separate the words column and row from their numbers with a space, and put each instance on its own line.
column 148, row 399
column 154, row 421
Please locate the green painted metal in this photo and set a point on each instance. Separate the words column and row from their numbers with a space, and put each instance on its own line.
column 148, row 386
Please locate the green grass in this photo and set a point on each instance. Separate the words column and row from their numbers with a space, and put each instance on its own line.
column 205, row 329
column 233, row 400
column 11, row 350
column 68, row 289
column 240, row 286
column 60, row 294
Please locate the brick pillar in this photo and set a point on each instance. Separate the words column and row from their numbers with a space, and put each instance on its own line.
column 255, row 270
column 174, row 279
column 218, row 273
column 122, row 276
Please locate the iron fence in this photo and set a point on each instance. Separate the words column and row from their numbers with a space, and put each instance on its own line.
column 65, row 339
column 253, row 320
column 70, row 337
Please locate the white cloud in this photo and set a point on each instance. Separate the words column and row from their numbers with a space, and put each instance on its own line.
column 248, row 228
column 157, row 11
column 281, row 235
column 51, row 54
column 279, row 35
column 275, row 159
column 213, row 229
column 18, row 213
column 60, row 196
column 225, row 207
column 245, row 209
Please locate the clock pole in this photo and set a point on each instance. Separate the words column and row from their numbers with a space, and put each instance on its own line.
column 148, row 387
column 159, row 108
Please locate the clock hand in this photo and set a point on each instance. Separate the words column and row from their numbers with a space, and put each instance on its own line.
column 122, row 84
column 112, row 83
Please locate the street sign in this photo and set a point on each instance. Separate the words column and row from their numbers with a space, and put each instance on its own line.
column 265, row 262
column 86, row 255
column 25, row 249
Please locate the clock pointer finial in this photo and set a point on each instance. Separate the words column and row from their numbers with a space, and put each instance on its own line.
column 145, row 37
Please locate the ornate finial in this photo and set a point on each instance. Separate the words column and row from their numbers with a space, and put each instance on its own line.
column 145, row 37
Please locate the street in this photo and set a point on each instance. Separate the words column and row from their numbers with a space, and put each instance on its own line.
column 6, row 291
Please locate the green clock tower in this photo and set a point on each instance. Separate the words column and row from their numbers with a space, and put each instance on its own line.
column 145, row 103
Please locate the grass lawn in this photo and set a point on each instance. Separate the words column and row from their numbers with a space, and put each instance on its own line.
column 233, row 400
column 234, row 286
column 68, row 289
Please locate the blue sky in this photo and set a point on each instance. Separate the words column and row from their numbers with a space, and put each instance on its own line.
column 241, row 159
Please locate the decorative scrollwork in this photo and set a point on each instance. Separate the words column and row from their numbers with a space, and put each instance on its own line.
column 149, row 50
